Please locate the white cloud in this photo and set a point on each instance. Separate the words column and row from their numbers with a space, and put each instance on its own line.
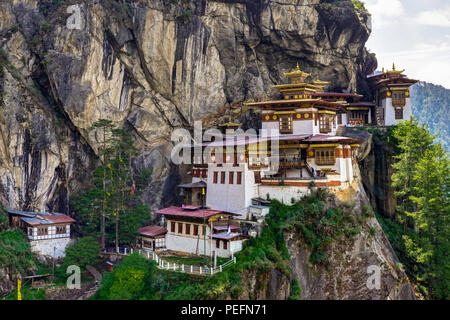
column 439, row 18
column 427, row 62
column 384, row 11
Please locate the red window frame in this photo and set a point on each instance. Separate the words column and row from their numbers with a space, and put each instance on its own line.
column 239, row 178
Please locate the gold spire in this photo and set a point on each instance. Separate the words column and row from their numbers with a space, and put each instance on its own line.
column 297, row 76
column 394, row 70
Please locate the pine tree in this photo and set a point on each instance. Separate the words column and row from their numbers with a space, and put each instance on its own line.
column 104, row 127
column 413, row 140
column 431, row 248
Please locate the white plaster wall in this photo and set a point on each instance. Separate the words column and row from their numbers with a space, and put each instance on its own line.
column 235, row 198
column 189, row 244
column 303, row 126
column 270, row 125
column 344, row 119
column 46, row 247
column 282, row 193
column 389, row 118
column 236, row 246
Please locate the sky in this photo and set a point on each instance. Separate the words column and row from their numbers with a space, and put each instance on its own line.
column 415, row 35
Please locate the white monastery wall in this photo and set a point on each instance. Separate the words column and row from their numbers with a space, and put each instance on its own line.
column 46, row 247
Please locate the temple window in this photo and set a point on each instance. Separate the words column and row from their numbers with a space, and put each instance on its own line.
column 324, row 124
column 257, row 177
column 180, row 227
column 225, row 244
column 325, row 157
column 188, row 228
column 230, row 177
column 398, row 99
column 222, row 177
column 172, row 226
column 195, row 230
column 60, row 229
column 239, row 178
column 286, row 124
column 399, row 114
column 215, row 177
column 42, row 231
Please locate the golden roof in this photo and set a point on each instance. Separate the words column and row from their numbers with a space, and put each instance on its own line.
column 393, row 69
column 297, row 76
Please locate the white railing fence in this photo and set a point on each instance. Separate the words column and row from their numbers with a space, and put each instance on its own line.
column 172, row 266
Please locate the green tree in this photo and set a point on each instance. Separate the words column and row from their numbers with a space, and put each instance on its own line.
column 430, row 248
column 85, row 252
column 112, row 204
column 103, row 127
column 412, row 140
column 129, row 280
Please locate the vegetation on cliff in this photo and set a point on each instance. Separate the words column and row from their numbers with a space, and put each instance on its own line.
column 318, row 224
column 111, row 208
column 15, row 252
column 420, row 231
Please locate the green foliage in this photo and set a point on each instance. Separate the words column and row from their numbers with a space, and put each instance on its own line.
column 412, row 140
column 421, row 183
column 129, row 280
column 431, row 105
column 15, row 252
column 111, row 208
column 85, row 252
column 309, row 217
column 372, row 231
column 4, row 223
column 359, row 5
column 296, row 291
column 27, row 294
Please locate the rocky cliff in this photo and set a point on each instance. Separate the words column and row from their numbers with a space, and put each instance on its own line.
column 151, row 66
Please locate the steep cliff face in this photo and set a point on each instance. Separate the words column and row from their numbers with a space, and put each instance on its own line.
column 150, row 66
column 352, row 268
column 375, row 166
column 352, row 261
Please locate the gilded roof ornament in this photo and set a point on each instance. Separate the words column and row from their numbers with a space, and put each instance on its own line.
column 297, row 76
column 395, row 71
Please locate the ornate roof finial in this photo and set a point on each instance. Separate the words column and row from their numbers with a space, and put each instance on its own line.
column 382, row 70
column 393, row 66
column 297, row 76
